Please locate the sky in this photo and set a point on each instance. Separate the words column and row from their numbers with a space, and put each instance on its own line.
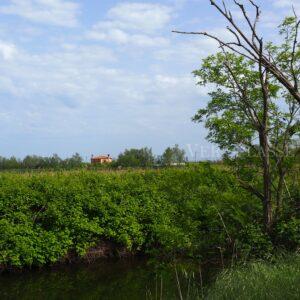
column 99, row 76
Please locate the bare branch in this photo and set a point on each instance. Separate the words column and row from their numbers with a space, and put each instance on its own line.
column 252, row 26
column 227, row 45
column 250, row 47
column 233, row 23
column 295, row 42
column 235, row 34
column 251, row 189
column 224, row 6
column 257, row 16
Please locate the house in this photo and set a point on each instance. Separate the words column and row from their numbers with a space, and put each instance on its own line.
column 101, row 159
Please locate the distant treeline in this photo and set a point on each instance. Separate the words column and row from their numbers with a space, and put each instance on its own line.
column 130, row 158
column 144, row 158
column 35, row 162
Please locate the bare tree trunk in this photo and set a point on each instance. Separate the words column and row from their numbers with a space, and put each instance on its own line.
column 264, row 143
column 279, row 193
column 267, row 199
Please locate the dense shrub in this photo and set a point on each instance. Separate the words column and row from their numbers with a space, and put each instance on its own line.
column 195, row 211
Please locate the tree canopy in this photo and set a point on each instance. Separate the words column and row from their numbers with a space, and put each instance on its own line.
column 136, row 158
column 173, row 155
column 31, row 162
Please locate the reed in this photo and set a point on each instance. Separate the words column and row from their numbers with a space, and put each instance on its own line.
column 259, row 280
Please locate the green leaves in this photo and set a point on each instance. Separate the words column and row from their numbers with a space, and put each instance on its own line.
column 252, row 117
column 47, row 216
column 136, row 158
column 173, row 155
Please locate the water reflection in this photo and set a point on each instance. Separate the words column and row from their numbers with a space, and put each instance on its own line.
column 133, row 279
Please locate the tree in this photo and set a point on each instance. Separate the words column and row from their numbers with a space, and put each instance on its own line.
column 173, row 155
column 39, row 162
column 9, row 163
column 76, row 161
column 248, row 43
column 33, row 162
column 136, row 158
column 245, row 118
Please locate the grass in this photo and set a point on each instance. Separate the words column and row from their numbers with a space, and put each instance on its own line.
column 259, row 280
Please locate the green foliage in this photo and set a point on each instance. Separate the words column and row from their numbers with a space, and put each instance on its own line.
column 173, row 155
column 236, row 102
column 34, row 162
column 288, row 232
column 192, row 211
column 287, row 53
column 142, row 158
column 255, row 121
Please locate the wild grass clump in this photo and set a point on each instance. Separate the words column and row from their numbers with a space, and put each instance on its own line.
column 259, row 280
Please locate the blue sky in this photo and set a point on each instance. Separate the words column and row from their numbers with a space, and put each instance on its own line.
column 99, row 76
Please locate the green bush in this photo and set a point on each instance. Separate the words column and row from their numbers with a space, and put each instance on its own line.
column 193, row 211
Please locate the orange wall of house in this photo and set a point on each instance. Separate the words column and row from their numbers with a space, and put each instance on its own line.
column 101, row 160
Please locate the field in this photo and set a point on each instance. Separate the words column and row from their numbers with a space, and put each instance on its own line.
column 198, row 211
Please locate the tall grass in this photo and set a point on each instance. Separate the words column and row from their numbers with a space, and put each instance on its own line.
column 259, row 280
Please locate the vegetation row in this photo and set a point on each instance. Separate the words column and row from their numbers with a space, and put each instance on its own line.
column 197, row 211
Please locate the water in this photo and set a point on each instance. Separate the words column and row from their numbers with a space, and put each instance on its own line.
column 133, row 279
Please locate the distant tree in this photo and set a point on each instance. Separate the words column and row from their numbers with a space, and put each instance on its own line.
column 13, row 163
column 32, row 162
column 173, row 155
column 55, row 161
column 136, row 158
column 73, row 162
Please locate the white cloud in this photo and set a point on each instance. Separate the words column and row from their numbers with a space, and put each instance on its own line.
column 146, row 17
column 76, row 90
column 285, row 3
column 100, row 32
column 51, row 12
column 71, row 87
column 70, row 72
column 7, row 51
column 121, row 37
column 133, row 23
column 189, row 50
